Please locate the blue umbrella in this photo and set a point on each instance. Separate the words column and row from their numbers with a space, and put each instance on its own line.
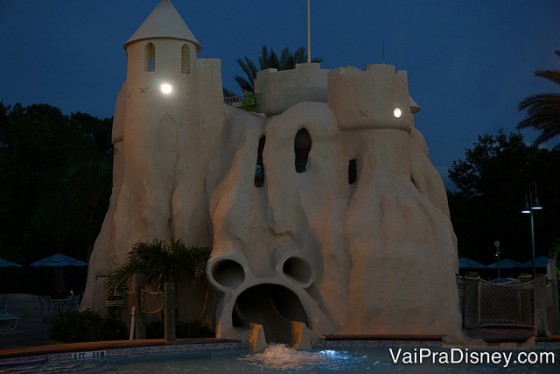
column 8, row 264
column 540, row 262
column 467, row 263
column 58, row 261
column 506, row 263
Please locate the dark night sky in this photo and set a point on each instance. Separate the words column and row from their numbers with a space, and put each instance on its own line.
column 469, row 62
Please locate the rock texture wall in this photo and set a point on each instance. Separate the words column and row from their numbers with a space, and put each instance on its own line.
column 358, row 241
column 324, row 210
column 377, row 256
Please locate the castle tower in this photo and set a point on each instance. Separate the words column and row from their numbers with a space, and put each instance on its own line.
column 157, row 114
column 161, row 71
column 169, row 107
column 162, row 50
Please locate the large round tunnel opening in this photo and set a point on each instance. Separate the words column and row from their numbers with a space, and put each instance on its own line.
column 272, row 306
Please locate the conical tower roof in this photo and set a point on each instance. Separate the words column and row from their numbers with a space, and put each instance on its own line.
column 164, row 22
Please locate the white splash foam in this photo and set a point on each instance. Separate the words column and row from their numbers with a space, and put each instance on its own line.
column 280, row 356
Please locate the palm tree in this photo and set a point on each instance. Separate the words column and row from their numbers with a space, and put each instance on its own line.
column 161, row 262
column 543, row 109
column 269, row 59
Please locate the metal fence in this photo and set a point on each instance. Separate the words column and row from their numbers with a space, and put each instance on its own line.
column 505, row 304
column 151, row 302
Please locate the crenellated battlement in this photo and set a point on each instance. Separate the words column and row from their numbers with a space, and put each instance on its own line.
column 279, row 90
column 375, row 98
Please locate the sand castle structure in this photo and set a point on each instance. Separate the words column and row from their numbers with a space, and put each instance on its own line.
column 321, row 208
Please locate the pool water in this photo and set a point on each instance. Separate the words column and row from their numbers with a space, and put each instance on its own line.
column 281, row 359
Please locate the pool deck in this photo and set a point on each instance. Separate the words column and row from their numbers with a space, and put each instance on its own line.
column 32, row 337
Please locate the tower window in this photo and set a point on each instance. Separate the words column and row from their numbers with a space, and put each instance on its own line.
column 414, row 182
column 302, row 146
column 259, row 172
column 150, row 57
column 185, row 59
column 352, row 171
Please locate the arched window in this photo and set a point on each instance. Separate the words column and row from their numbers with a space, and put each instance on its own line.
column 259, row 170
column 185, row 59
column 414, row 182
column 302, row 146
column 352, row 171
column 150, row 57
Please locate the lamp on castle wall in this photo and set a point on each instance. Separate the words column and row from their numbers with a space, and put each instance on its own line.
column 166, row 88
column 531, row 205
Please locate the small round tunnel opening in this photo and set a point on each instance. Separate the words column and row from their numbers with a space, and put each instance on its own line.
column 228, row 273
column 298, row 269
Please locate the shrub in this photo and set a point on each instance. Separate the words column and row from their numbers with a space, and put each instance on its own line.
column 193, row 330
column 154, row 330
column 86, row 326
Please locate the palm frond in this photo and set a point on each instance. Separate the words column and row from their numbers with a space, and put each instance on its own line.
column 120, row 277
column 160, row 262
column 268, row 59
column 285, row 58
column 244, row 84
column 228, row 93
column 547, row 134
column 552, row 75
column 249, row 68
column 198, row 259
column 299, row 56
column 538, row 101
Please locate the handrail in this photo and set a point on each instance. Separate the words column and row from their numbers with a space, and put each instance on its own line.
column 244, row 102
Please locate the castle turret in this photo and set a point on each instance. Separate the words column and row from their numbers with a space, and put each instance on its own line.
column 164, row 22
column 161, row 69
column 168, row 103
column 163, row 45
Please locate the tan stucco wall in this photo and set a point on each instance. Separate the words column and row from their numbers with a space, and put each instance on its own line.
column 376, row 256
column 279, row 90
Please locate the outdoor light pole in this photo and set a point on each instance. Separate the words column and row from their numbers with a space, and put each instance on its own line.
column 531, row 204
column 497, row 245
column 308, row 31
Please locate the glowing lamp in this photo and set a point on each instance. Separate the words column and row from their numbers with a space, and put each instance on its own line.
column 166, row 88
column 397, row 113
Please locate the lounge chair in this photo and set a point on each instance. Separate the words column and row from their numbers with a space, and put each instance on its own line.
column 58, row 306
column 3, row 304
column 7, row 320
column 46, row 305
column 72, row 303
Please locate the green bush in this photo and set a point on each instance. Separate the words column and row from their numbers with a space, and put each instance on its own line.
column 86, row 326
column 193, row 330
column 154, row 330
